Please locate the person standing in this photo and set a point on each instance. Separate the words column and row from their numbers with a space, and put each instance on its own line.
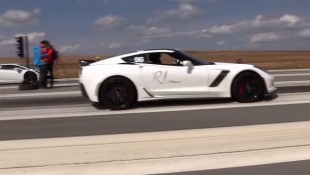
column 49, row 57
column 41, row 65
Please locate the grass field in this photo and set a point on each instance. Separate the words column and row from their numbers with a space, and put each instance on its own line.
column 67, row 66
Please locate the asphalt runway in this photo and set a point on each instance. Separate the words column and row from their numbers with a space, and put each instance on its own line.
column 288, row 168
column 63, row 113
column 151, row 122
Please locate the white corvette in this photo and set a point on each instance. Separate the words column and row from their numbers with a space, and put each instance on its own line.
column 15, row 73
column 119, row 82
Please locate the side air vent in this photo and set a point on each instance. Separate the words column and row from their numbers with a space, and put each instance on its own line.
column 219, row 78
column 148, row 93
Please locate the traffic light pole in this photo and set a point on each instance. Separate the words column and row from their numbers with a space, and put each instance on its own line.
column 20, row 43
column 22, row 46
column 27, row 50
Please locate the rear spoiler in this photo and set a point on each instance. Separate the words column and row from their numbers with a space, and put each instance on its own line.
column 86, row 62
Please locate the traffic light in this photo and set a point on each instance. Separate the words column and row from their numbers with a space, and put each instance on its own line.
column 20, row 46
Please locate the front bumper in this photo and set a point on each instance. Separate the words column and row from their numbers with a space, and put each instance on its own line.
column 270, row 85
column 83, row 91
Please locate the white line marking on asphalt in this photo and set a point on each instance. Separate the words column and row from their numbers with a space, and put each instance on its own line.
column 278, row 84
column 292, row 83
column 88, row 110
column 56, row 85
column 158, row 152
column 9, row 87
column 41, row 94
column 291, row 75
column 289, row 70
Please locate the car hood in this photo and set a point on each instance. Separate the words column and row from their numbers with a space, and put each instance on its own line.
column 229, row 66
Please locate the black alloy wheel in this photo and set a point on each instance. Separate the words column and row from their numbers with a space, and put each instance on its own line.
column 248, row 87
column 31, row 77
column 117, row 93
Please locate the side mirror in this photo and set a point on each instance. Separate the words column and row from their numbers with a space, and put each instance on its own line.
column 187, row 63
column 190, row 66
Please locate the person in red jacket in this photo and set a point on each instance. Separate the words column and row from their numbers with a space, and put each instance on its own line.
column 48, row 52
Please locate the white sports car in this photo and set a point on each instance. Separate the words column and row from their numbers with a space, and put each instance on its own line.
column 15, row 73
column 119, row 82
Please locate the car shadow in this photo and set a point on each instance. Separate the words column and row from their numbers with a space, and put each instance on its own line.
column 270, row 97
column 204, row 101
column 98, row 106
column 181, row 102
column 167, row 103
column 64, row 86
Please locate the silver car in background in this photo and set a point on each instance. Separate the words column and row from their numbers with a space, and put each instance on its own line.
column 16, row 73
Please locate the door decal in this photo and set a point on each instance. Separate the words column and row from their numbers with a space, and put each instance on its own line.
column 161, row 77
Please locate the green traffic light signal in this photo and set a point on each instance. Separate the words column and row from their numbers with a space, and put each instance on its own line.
column 20, row 46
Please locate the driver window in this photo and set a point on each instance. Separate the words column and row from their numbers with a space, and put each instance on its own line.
column 163, row 59
column 7, row 67
column 10, row 67
column 169, row 60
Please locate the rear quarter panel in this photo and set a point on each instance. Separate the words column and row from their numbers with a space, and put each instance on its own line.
column 93, row 76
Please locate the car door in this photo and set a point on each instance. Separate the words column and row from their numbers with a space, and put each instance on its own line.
column 10, row 73
column 171, row 79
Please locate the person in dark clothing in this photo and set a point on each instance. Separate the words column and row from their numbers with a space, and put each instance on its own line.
column 48, row 57
column 155, row 58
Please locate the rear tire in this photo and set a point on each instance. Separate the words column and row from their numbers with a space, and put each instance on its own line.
column 248, row 87
column 117, row 93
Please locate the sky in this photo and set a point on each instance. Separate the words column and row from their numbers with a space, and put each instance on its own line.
column 110, row 27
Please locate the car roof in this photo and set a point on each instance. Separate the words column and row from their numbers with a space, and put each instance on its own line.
column 13, row 64
column 118, row 58
column 148, row 51
column 144, row 52
column 158, row 50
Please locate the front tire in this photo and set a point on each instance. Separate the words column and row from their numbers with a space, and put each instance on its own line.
column 248, row 87
column 117, row 93
column 30, row 77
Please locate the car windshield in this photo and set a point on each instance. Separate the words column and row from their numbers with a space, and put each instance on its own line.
column 20, row 66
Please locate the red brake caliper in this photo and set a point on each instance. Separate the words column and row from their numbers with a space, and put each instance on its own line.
column 241, row 89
